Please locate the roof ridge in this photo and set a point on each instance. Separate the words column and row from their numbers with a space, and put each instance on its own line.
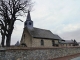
column 41, row 29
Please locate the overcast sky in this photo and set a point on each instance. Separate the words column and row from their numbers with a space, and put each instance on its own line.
column 62, row 17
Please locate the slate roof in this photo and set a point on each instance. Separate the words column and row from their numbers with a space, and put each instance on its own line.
column 42, row 33
column 67, row 41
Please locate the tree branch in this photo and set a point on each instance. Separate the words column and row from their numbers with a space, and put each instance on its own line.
column 19, row 20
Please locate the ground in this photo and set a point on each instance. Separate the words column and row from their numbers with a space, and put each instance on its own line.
column 66, row 57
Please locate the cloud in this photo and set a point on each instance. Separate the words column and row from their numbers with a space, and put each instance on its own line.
column 71, row 35
column 57, row 14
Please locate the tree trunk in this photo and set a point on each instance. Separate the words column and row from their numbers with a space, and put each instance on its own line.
column 3, row 32
column 3, row 40
column 8, row 40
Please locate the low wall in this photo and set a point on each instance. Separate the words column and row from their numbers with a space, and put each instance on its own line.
column 18, row 53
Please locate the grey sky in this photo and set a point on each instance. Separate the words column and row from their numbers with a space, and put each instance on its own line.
column 71, row 35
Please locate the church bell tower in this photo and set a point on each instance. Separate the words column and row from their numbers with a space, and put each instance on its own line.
column 28, row 23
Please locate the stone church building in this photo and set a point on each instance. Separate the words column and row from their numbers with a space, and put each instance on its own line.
column 37, row 37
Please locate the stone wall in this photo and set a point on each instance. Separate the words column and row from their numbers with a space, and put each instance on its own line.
column 36, row 42
column 19, row 53
column 26, row 38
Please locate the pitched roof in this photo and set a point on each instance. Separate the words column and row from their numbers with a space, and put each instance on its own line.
column 42, row 33
column 67, row 41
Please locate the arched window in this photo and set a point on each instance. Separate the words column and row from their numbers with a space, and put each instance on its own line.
column 42, row 42
column 29, row 23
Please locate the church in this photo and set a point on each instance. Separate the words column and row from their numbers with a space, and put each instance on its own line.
column 37, row 37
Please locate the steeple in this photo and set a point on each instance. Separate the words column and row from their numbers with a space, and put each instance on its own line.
column 28, row 16
column 28, row 23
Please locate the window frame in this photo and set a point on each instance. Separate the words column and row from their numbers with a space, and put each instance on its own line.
column 53, row 43
column 42, row 42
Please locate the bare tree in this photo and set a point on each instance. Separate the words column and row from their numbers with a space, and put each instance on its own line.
column 9, row 11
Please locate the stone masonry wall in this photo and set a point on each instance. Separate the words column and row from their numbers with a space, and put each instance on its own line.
column 36, row 53
column 47, row 43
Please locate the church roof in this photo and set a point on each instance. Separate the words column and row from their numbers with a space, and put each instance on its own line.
column 42, row 33
column 67, row 41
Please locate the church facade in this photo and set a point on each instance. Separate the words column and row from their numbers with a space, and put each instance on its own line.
column 36, row 37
